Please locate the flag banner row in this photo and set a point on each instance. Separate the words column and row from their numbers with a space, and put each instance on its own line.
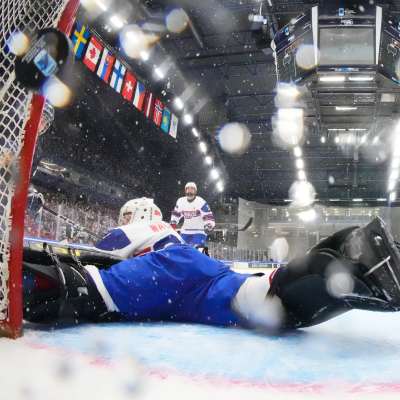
column 100, row 60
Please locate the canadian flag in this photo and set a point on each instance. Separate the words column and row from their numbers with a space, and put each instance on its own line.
column 92, row 54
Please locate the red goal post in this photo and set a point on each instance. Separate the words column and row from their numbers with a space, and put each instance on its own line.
column 20, row 114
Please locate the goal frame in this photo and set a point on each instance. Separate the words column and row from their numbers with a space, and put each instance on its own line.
column 12, row 326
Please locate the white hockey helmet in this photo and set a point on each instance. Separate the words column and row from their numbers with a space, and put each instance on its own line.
column 191, row 185
column 141, row 210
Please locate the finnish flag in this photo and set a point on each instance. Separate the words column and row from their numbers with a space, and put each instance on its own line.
column 118, row 76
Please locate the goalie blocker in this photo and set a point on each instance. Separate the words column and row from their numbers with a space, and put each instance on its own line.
column 367, row 256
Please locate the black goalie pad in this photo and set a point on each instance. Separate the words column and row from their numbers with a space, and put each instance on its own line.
column 374, row 249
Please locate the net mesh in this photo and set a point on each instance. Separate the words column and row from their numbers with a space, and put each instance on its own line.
column 26, row 16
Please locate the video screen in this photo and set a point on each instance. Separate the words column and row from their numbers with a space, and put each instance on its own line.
column 389, row 54
column 295, row 55
column 347, row 46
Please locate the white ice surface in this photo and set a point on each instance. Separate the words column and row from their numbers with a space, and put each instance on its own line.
column 355, row 356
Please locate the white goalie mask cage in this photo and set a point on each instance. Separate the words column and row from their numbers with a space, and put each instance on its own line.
column 142, row 210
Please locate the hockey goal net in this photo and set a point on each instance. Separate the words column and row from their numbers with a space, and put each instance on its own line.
column 20, row 113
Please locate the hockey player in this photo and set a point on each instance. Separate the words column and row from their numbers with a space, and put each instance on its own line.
column 197, row 215
column 141, row 229
column 356, row 268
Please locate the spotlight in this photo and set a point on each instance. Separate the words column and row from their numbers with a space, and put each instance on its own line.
column 214, row 174
column 159, row 74
column 203, row 147
column 178, row 103
column 116, row 21
column 220, row 186
column 144, row 55
column 195, row 132
column 299, row 163
column 188, row 119
column 301, row 175
column 297, row 151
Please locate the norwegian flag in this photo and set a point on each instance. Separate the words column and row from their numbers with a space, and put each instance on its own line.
column 92, row 54
column 129, row 86
column 158, row 112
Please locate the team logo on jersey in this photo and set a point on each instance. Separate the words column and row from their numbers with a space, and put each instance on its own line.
column 191, row 214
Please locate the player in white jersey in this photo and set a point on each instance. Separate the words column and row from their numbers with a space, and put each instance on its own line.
column 141, row 230
column 197, row 216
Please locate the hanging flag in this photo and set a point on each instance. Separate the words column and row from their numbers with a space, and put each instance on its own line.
column 129, row 86
column 158, row 112
column 166, row 118
column 140, row 92
column 105, row 67
column 118, row 76
column 173, row 128
column 92, row 54
column 149, row 105
column 79, row 38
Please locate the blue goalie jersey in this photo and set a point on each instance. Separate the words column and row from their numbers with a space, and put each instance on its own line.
column 177, row 284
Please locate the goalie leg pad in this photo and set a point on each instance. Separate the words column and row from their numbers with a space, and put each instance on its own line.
column 305, row 289
column 374, row 249
column 68, row 294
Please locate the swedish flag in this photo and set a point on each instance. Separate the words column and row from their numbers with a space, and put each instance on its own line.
column 80, row 38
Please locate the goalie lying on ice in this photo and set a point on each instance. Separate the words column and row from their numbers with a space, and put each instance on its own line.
column 356, row 268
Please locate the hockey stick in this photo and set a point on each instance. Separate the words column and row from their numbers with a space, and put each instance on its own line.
column 71, row 222
column 246, row 225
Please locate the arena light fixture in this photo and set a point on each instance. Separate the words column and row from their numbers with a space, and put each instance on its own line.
column 346, row 108
column 188, row 119
column 214, row 174
column 220, row 186
column 391, row 186
column 301, row 175
column 323, row 139
column 299, row 163
column 208, row 160
column 290, row 113
column 395, row 163
column 203, row 147
column 394, row 175
column 381, row 199
column 159, row 73
column 102, row 5
column 297, row 151
column 392, row 196
column 332, row 78
column 288, row 90
column 195, row 132
column 361, row 78
column 178, row 103
column 116, row 21
column 144, row 55
column 357, row 200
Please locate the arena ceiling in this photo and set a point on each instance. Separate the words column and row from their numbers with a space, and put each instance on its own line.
column 228, row 61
